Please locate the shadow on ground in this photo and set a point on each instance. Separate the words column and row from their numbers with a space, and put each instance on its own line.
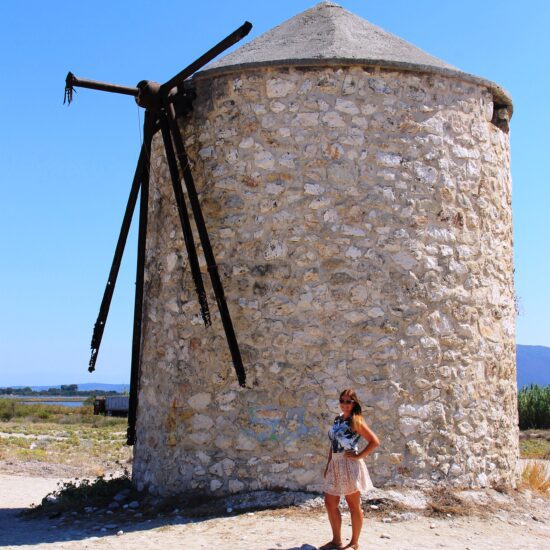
column 17, row 528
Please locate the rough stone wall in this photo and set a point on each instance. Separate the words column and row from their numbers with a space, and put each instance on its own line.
column 362, row 224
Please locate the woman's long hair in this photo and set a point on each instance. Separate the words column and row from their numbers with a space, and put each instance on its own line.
column 356, row 411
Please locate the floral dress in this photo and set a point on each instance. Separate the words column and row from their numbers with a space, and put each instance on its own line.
column 345, row 475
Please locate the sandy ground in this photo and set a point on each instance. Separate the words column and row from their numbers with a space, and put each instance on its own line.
column 287, row 529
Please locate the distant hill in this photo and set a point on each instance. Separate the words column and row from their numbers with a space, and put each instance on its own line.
column 533, row 365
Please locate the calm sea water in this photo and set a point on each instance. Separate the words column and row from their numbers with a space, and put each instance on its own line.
column 59, row 403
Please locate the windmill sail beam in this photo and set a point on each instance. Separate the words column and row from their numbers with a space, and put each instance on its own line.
column 220, row 47
column 148, row 126
column 152, row 88
column 72, row 81
column 206, row 245
column 184, row 220
column 160, row 111
column 117, row 258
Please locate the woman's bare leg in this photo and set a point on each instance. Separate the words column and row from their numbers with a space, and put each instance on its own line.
column 354, row 504
column 335, row 518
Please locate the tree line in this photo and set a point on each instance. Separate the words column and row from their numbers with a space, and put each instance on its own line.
column 64, row 390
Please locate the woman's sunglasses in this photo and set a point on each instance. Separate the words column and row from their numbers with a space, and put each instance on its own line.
column 346, row 401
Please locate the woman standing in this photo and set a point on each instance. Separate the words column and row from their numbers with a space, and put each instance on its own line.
column 346, row 474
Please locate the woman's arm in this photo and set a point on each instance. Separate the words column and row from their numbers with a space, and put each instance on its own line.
column 363, row 429
column 328, row 461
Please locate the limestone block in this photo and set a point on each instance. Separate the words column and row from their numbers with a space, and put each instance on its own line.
column 279, row 87
column 235, row 486
column 223, row 468
column 201, row 422
column 245, row 443
column 215, row 484
column 200, row 401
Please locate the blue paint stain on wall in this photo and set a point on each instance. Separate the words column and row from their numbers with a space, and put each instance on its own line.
column 286, row 426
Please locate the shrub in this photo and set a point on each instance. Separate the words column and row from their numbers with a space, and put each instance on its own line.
column 74, row 496
column 7, row 409
column 11, row 409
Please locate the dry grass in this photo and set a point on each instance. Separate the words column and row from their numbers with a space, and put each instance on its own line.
column 443, row 502
column 383, row 507
column 536, row 476
column 95, row 449
column 534, row 444
column 70, row 436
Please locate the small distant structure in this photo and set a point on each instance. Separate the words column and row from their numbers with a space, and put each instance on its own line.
column 112, row 405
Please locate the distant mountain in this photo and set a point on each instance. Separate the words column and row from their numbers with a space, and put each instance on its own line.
column 533, row 365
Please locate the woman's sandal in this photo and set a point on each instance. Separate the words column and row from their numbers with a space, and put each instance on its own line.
column 331, row 546
column 353, row 546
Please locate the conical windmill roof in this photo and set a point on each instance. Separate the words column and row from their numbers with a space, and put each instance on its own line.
column 329, row 35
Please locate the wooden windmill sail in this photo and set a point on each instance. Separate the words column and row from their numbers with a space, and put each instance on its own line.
column 163, row 104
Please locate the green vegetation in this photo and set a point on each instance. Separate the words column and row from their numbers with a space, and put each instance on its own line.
column 36, row 412
column 534, row 407
column 66, row 390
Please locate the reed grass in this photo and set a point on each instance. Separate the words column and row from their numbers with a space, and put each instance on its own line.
column 534, row 407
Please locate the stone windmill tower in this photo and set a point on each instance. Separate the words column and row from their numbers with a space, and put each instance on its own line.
column 358, row 197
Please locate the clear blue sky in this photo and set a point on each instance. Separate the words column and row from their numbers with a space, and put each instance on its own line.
column 66, row 173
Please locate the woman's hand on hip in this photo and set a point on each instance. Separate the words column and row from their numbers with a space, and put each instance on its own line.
column 353, row 455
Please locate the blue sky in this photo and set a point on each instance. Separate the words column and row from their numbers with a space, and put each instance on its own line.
column 67, row 172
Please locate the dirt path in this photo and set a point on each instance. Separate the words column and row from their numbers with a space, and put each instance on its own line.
column 286, row 529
